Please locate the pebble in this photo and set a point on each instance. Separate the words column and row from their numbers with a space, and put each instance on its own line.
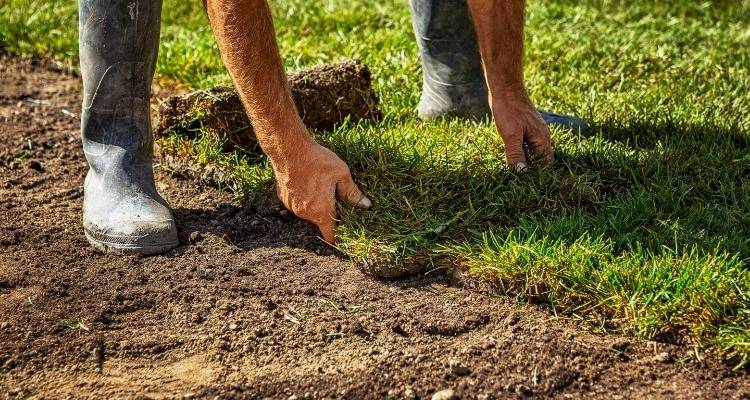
column 621, row 345
column 523, row 390
column 662, row 357
column 195, row 237
column 458, row 368
column 410, row 394
column 35, row 165
column 420, row 358
column 270, row 305
column 447, row 394
column 234, row 326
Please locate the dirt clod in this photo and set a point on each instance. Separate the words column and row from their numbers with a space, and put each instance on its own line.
column 663, row 357
column 458, row 368
column 447, row 394
column 325, row 96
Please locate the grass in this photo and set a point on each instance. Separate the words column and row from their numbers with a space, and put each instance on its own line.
column 641, row 227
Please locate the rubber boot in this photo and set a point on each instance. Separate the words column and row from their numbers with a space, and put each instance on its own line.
column 122, row 211
column 453, row 77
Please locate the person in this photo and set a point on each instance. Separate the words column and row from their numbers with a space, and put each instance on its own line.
column 472, row 56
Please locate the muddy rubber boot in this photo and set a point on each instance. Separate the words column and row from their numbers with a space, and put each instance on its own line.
column 122, row 211
column 453, row 77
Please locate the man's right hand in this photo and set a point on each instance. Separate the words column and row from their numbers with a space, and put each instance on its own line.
column 308, row 180
column 521, row 127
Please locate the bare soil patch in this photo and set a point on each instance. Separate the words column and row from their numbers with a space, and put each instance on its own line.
column 253, row 305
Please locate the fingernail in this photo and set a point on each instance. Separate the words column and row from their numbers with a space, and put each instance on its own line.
column 520, row 167
column 365, row 203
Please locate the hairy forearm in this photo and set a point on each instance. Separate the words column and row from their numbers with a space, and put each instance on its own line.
column 499, row 26
column 246, row 38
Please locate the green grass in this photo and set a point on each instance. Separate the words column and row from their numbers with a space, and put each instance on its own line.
column 641, row 227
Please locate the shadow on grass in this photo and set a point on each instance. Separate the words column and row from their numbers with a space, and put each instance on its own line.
column 637, row 184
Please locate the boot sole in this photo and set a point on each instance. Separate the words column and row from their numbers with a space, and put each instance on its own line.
column 113, row 247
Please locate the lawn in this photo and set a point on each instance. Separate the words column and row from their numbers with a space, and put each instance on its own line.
column 642, row 227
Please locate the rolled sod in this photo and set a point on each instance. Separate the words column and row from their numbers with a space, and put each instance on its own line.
column 325, row 96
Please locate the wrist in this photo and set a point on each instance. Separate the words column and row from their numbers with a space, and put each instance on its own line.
column 509, row 93
column 285, row 144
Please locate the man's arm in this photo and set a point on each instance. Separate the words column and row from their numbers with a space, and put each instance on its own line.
column 499, row 26
column 308, row 176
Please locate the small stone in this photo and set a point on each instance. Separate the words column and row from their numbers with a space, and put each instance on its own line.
column 620, row 345
column 195, row 237
column 399, row 330
column 523, row 390
column 512, row 319
column 270, row 305
column 459, row 369
column 221, row 345
column 485, row 396
column 410, row 394
column 662, row 357
column 447, row 394
column 356, row 328
column 234, row 326
column 260, row 332
column 35, row 165
column 292, row 397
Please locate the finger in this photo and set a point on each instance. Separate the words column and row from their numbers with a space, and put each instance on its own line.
column 540, row 146
column 514, row 154
column 327, row 229
column 348, row 191
column 325, row 216
column 541, row 153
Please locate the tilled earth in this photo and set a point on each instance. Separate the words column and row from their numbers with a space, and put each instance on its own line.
column 253, row 305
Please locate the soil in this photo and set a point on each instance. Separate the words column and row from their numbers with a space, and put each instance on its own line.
column 253, row 305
